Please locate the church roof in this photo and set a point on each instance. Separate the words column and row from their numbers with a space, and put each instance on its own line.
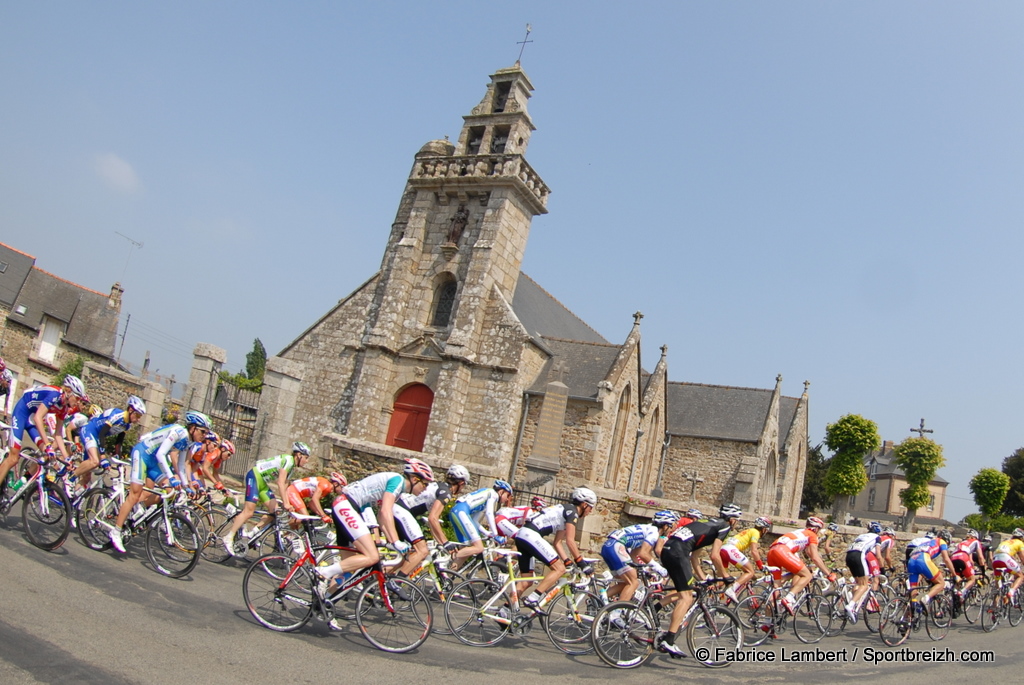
column 545, row 317
column 585, row 364
column 717, row 411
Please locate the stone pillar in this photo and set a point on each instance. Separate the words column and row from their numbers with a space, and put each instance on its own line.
column 154, row 395
column 544, row 462
column 282, row 383
column 207, row 361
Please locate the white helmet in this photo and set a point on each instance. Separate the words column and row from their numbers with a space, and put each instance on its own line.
column 136, row 404
column 584, row 495
column 75, row 385
column 458, row 472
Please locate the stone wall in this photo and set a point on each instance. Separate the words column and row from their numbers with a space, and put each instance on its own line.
column 715, row 461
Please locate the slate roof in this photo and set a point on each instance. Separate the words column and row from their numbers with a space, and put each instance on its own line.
column 586, row 364
column 544, row 316
column 92, row 323
column 886, row 464
column 13, row 276
column 717, row 411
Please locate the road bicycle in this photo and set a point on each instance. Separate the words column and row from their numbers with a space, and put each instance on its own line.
column 998, row 606
column 764, row 616
column 45, row 509
column 903, row 616
column 624, row 633
column 173, row 545
column 436, row 582
column 283, row 593
column 871, row 606
column 274, row 536
column 481, row 612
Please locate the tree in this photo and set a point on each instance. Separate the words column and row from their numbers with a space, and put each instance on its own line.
column 256, row 361
column 849, row 438
column 1013, row 466
column 814, row 496
column 920, row 458
column 989, row 488
column 73, row 367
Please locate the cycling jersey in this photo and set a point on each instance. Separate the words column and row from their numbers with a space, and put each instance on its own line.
column 797, row 540
column 151, row 456
column 420, row 504
column 968, row 547
column 865, row 543
column 616, row 549
column 1012, row 547
column 313, row 487
column 510, row 519
column 469, row 510
column 681, row 544
column 1006, row 557
column 370, row 490
column 48, row 396
column 113, row 422
column 932, row 548
column 921, row 560
column 553, row 519
column 267, row 469
column 742, row 541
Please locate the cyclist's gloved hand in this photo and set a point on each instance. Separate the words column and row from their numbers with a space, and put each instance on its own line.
column 175, row 483
column 400, row 547
column 832, row 577
column 586, row 568
column 760, row 565
column 449, row 546
column 500, row 539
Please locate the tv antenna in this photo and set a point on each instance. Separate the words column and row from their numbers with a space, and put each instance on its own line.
column 134, row 244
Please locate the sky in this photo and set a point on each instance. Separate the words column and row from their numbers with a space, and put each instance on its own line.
column 827, row 191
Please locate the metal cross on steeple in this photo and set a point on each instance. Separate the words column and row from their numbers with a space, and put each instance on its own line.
column 523, row 42
column 922, row 430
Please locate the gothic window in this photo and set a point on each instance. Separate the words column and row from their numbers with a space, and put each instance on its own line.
column 618, row 438
column 444, row 302
column 653, row 453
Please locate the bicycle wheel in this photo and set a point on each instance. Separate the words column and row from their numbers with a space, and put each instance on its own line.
column 711, row 633
column 991, row 610
column 281, row 605
column 623, row 634
column 173, row 545
column 397, row 619
column 218, row 522
column 896, row 620
column 812, row 619
column 46, row 513
column 972, row 604
column 1014, row 611
column 757, row 616
column 447, row 580
column 478, row 613
column 570, row 616
column 871, row 611
column 837, row 608
column 939, row 617
column 97, row 508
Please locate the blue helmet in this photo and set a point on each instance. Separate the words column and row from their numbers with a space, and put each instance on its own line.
column 665, row 517
column 875, row 527
column 197, row 418
column 503, row 485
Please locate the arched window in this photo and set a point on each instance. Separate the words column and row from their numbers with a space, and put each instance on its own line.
column 411, row 415
column 618, row 438
column 444, row 302
column 653, row 453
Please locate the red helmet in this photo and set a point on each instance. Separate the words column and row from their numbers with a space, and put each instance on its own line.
column 338, row 478
column 538, row 503
column 420, row 469
column 3, row 365
column 228, row 446
column 815, row 523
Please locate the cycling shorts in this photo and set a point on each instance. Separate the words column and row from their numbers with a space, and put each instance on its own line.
column 90, row 437
column 731, row 555
column 531, row 545
column 255, row 489
column 616, row 556
column 408, row 528
column 785, row 559
column 466, row 528
column 295, row 500
column 675, row 557
column 922, row 565
column 21, row 421
column 963, row 566
column 144, row 465
column 862, row 564
column 348, row 523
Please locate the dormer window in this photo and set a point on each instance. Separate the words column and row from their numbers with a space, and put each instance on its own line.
column 872, row 469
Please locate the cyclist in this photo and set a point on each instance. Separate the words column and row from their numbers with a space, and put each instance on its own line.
column 634, row 543
column 784, row 554
column 350, row 524
column 963, row 556
column 915, row 543
column 1009, row 557
column 508, row 520
column 151, row 466
column 825, row 542
column 112, row 422
column 454, row 482
column 209, row 470
column 30, row 414
column 862, row 560
column 735, row 551
column 409, row 507
column 198, row 453
column 986, row 550
column 686, row 519
column 560, row 519
column 467, row 514
column 922, row 564
column 312, row 489
column 257, row 490
column 886, row 549
column 682, row 566
column 6, row 378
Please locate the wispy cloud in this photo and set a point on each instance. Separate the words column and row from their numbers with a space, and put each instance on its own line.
column 116, row 173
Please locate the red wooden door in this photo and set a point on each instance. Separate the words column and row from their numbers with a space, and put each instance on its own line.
column 410, row 418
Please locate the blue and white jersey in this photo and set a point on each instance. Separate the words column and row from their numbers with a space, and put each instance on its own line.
column 370, row 490
column 480, row 500
column 48, row 396
column 110, row 423
column 160, row 443
column 632, row 537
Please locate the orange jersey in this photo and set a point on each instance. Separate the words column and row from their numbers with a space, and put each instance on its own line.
column 797, row 540
column 316, row 486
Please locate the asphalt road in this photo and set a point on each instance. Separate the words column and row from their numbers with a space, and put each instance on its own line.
column 77, row 616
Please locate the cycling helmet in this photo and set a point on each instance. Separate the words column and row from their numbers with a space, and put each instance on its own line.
column 665, row 517
column 815, row 523
column 888, row 531
column 418, row 468
column 136, row 404
column 930, row 535
column 337, row 478
column 875, row 527
column 74, row 384
column 500, row 485
column 197, row 418
column 213, row 437
column 730, row 511
column 584, row 496
column 95, row 410
column 6, row 377
column 834, row 527
column 1017, row 533
column 457, row 472
column 3, row 365
column 988, row 538
column 972, row 533
column 228, row 446
column 694, row 514
column 762, row 522
column 301, row 448
column 538, row 503
column 944, row 535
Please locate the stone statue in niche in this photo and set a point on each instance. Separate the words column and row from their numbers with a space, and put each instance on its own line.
column 459, row 222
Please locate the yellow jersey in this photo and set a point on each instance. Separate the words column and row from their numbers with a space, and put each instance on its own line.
column 741, row 541
column 1013, row 546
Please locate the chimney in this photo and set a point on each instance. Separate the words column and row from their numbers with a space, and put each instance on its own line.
column 115, row 296
column 887, row 446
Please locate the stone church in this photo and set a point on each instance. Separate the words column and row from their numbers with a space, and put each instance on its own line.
column 450, row 353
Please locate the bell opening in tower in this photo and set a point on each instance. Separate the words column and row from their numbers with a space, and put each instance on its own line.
column 501, row 92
